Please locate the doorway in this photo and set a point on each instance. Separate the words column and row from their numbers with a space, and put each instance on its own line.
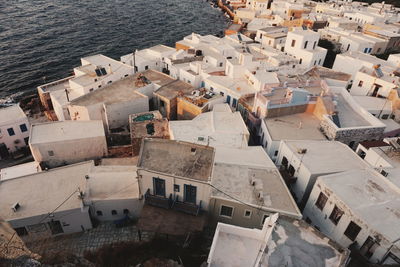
column 190, row 194
column 3, row 151
column 159, row 187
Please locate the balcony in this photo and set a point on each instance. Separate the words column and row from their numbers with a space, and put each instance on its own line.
column 185, row 207
column 157, row 201
column 287, row 177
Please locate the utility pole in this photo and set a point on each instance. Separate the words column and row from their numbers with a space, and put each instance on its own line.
column 134, row 61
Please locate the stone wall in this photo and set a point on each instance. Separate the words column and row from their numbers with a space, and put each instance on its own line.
column 352, row 136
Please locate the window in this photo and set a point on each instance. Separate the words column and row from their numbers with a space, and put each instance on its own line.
column 26, row 140
column 109, row 82
column 50, row 153
column 315, row 62
column 113, row 212
column 336, row 215
column 220, row 64
column 293, row 43
column 321, row 201
column 99, row 213
column 360, row 83
column 91, row 90
column 365, row 50
column 126, row 211
column 126, row 75
column 247, row 213
column 146, row 67
column 352, row 231
column 226, row 211
column 319, row 62
column 305, row 45
column 10, row 131
column 300, row 61
column 176, row 187
column 315, row 44
column 291, row 170
column 21, row 231
column 276, row 153
column 284, row 162
column 23, row 127
column 265, row 216
column 99, row 86
column 385, row 116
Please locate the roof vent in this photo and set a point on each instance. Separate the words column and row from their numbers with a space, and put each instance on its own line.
column 15, row 207
column 302, row 150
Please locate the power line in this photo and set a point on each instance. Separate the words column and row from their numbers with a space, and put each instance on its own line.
column 238, row 200
column 62, row 203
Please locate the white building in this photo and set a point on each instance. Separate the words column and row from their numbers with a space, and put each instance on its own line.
column 112, row 190
column 14, row 130
column 303, row 44
column 96, row 72
column 247, row 188
column 149, row 58
column 303, row 161
column 47, row 203
column 175, row 171
column 219, row 127
column 60, row 143
column 113, row 103
column 280, row 242
column 358, row 207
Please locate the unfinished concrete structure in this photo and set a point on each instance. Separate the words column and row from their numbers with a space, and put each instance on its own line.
column 147, row 124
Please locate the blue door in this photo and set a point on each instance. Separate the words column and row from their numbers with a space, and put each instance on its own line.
column 228, row 99
column 159, row 187
column 190, row 193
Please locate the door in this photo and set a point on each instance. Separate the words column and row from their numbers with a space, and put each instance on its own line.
column 376, row 89
column 159, row 187
column 228, row 99
column 190, row 193
column 55, row 227
column 368, row 248
column 3, row 151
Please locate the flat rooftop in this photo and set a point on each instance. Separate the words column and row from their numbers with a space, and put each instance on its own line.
column 11, row 114
column 120, row 180
column 292, row 243
column 157, row 77
column 40, row 193
column 297, row 242
column 174, row 88
column 298, row 126
column 233, row 180
column 251, row 156
column 61, row 131
column 348, row 117
column 19, row 170
column 370, row 197
column 326, row 156
column 177, row 158
column 119, row 91
column 215, row 128
column 371, row 103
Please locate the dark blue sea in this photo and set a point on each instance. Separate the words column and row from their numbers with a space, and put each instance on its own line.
column 42, row 40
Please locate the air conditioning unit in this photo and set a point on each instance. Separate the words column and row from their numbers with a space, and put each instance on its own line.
column 15, row 207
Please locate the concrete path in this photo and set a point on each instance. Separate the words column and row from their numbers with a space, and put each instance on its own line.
column 104, row 234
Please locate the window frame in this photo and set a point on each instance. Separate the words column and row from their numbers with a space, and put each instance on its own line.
column 244, row 214
column 319, row 206
column 226, row 216
column 114, row 212
column 11, row 131
column 23, row 127
column 346, row 232
column 338, row 215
